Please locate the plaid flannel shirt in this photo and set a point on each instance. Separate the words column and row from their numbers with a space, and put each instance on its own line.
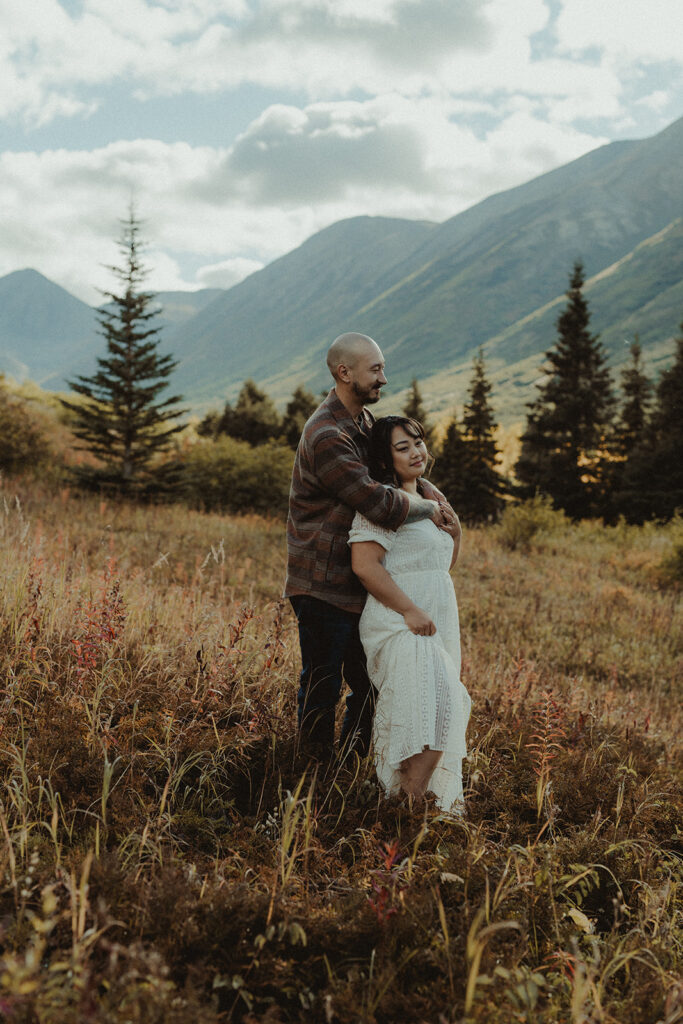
column 330, row 482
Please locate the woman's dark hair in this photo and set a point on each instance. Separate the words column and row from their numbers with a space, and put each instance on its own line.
column 380, row 450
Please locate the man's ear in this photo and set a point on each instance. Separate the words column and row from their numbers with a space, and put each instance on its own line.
column 343, row 373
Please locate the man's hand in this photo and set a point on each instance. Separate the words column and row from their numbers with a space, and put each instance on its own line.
column 449, row 521
column 445, row 518
column 418, row 622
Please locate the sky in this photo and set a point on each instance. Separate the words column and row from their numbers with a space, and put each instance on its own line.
column 239, row 128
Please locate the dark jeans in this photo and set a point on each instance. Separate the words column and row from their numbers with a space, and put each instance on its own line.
column 331, row 650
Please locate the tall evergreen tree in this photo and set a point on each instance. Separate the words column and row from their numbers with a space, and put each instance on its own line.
column 414, row 408
column 653, row 476
column 630, row 429
column 485, row 484
column 122, row 420
column 450, row 469
column 300, row 406
column 565, row 445
column 637, row 392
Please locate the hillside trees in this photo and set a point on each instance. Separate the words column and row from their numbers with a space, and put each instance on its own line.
column 449, row 473
column 652, row 484
column 485, row 485
column 637, row 394
column 414, row 408
column 467, row 467
column 122, row 419
column 565, row 444
column 301, row 405
column 253, row 418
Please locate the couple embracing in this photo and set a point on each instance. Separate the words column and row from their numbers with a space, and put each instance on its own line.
column 370, row 543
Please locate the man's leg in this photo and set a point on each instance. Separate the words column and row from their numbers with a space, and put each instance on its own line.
column 360, row 703
column 324, row 633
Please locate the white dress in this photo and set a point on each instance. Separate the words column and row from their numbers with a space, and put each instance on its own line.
column 421, row 701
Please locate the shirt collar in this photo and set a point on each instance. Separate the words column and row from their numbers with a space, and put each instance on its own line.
column 344, row 417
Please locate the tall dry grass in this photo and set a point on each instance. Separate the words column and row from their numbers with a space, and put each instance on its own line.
column 167, row 855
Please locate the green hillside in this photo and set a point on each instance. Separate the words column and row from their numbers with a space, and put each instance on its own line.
column 45, row 333
column 433, row 294
column 640, row 294
column 270, row 324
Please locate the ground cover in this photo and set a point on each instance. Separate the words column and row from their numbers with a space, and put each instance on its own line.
column 167, row 855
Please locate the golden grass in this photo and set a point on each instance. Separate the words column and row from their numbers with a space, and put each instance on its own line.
column 168, row 856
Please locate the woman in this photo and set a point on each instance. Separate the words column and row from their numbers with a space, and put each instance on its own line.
column 410, row 631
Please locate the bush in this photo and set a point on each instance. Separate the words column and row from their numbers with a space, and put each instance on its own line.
column 670, row 569
column 520, row 523
column 23, row 444
column 230, row 475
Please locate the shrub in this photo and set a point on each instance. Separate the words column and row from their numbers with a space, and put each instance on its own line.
column 230, row 475
column 522, row 522
column 22, row 442
column 670, row 569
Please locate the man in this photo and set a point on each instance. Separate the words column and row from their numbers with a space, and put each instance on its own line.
column 330, row 482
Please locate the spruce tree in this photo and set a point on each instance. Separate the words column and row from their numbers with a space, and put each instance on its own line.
column 450, row 468
column 630, row 430
column 415, row 409
column 637, row 392
column 484, row 485
column 301, row 405
column 122, row 421
column 565, row 445
column 653, row 475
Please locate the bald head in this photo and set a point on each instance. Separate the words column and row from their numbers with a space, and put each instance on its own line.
column 348, row 349
column 357, row 365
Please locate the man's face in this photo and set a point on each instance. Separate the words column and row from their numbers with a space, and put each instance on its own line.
column 366, row 376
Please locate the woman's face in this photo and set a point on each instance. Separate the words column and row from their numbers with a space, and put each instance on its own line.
column 409, row 455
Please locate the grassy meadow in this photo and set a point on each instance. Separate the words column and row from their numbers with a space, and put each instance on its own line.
column 168, row 856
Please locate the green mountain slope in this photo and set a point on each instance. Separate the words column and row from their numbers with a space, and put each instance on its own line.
column 45, row 332
column 641, row 293
column 278, row 321
column 432, row 294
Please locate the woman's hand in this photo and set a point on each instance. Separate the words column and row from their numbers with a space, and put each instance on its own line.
column 418, row 622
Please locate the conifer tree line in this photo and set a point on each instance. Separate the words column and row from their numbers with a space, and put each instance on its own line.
column 592, row 455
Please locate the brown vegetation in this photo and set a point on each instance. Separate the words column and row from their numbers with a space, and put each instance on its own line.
column 167, row 856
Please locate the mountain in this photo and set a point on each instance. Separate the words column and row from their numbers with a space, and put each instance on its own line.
column 50, row 336
column 45, row 333
column 179, row 306
column 271, row 323
column 493, row 276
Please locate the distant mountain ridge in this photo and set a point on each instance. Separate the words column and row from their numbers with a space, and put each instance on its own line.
column 43, row 328
column 493, row 276
column 50, row 336
column 480, row 279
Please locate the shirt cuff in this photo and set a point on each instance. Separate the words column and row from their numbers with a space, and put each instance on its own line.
column 420, row 508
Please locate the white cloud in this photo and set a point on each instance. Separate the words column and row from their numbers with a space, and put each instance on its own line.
column 452, row 107
column 624, row 29
column 227, row 273
column 293, row 172
column 657, row 100
column 324, row 48
column 53, row 64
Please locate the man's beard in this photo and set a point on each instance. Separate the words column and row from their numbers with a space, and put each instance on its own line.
column 366, row 394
